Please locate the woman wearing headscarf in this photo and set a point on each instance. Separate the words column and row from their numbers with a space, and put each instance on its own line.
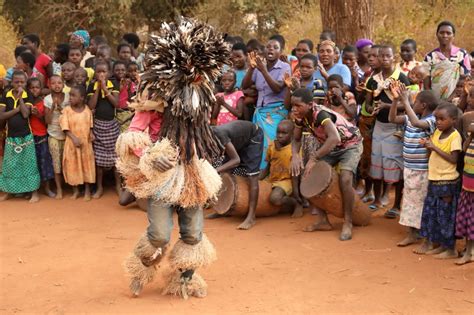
column 81, row 39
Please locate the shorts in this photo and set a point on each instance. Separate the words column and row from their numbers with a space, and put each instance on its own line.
column 56, row 148
column 251, row 156
column 347, row 159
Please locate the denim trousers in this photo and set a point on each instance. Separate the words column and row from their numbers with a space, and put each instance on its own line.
column 160, row 218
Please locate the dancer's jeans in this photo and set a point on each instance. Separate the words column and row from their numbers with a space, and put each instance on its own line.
column 160, row 217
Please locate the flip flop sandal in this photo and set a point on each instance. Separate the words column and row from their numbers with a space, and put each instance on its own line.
column 392, row 213
column 373, row 207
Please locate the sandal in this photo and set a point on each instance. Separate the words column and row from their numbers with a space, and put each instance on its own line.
column 373, row 207
column 392, row 213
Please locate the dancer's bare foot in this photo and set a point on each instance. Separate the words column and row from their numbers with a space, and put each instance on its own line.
column 346, row 233
column 98, row 193
column 318, row 226
column 436, row 251
column 247, row 224
column 34, row 197
column 59, row 194
column 447, row 254
column 425, row 247
column 5, row 197
column 298, row 212
column 213, row 215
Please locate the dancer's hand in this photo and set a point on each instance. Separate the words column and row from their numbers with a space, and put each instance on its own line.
column 163, row 164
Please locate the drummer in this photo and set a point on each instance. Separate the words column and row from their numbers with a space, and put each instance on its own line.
column 339, row 143
column 243, row 142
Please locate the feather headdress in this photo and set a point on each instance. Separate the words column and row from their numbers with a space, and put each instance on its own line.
column 182, row 63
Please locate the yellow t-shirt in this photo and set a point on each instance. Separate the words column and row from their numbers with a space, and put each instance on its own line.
column 439, row 168
column 280, row 161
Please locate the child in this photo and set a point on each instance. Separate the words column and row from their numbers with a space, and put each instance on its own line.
column 78, row 158
column 339, row 101
column 239, row 63
column 304, row 47
column 278, row 170
column 243, row 143
column 103, row 101
column 465, row 211
column 61, row 55
column 416, row 76
column 127, row 90
column 307, row 66
column 80, row 76
column 67, row 72
column 455, row 97
column 366, row 126
column 349, row 58
column 26, row 62
column 19, row 169
column 132, row 73
column 40, row 135
column 439, row 209
column 54, row 104
column 415, row 156
column 229, row 104
column 386, row 157
column 408, row 53
column 124, row 52
column 75, row 56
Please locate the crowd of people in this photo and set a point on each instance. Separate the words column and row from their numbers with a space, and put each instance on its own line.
column 406, row 124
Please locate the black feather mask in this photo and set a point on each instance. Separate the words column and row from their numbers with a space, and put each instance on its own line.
column 182, row 63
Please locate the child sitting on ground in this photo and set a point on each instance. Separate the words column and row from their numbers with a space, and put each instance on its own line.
column 78, row 158
column 40, row 134
column 229, row 104
column 278, row 170
column 19, row 169
column 439, row 209
column 419, row 124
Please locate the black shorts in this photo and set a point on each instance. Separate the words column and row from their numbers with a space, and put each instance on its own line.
column 251, row 155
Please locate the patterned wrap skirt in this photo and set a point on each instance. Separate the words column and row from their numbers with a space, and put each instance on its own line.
column 106, row 133
column 43, row 158
column 465, row 215
column 414, row 194
column 439, row 217
column 19, row 169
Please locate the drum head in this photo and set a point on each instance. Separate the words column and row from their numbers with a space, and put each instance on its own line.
column 317, row 180
column 225, row 198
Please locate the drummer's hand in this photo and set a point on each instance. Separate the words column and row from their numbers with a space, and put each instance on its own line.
column 296, row 165
column 163, row 164
column 308, row 167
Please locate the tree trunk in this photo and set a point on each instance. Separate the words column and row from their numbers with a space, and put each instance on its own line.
column 349, row 19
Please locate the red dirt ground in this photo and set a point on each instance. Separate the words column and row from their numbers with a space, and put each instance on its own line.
column 65, row 257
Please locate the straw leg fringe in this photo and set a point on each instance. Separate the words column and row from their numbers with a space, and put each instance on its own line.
column 140, row 265
column 185, row 256
column 185, row 287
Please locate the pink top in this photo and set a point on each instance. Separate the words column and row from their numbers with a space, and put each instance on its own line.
column 231, row 99
column 151, row 120
column 126, row 92
column 41, row 65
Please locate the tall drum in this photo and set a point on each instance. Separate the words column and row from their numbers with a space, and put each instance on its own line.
column 321, row 188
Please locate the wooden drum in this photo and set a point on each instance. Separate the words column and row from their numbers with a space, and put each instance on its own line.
column 321, row 188
column 233, row 198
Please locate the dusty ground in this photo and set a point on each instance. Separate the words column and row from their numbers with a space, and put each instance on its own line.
column 65, row 257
